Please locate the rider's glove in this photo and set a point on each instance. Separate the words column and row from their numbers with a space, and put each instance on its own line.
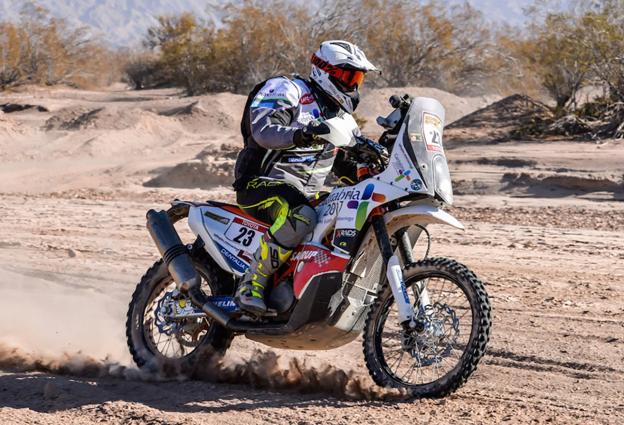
column 310, row 134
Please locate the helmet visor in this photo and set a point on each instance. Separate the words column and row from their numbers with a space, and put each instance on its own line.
column 350, row 78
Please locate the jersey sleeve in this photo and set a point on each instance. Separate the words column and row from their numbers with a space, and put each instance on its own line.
column 272, row 112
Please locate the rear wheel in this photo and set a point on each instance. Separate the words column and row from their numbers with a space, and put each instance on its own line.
column 174, row 347
column 453, row 328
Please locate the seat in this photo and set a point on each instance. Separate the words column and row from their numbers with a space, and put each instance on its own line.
column 235, row 209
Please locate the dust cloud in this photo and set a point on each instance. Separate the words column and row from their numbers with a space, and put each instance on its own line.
column 262, row 370
column 52, row 327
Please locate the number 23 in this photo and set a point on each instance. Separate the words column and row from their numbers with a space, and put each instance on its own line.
column 245, row 236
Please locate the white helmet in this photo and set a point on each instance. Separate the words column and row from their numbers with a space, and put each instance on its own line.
column 338, row 68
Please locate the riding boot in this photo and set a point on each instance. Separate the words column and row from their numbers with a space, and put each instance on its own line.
column 266, row 260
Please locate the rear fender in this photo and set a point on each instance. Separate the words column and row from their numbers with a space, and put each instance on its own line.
column 193, row 212
column 230, row 237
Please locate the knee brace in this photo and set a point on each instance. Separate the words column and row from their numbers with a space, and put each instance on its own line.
column 289, row 230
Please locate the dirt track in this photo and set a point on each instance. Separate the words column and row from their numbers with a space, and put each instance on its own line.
column 553, row 266
column 557, row 350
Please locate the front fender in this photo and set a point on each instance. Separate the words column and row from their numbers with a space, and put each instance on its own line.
column 422, row 214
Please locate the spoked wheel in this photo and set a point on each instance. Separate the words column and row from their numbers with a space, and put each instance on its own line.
column 451, row 333
column 160, row 342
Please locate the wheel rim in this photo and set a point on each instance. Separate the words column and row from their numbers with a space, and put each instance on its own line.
column 173, row 340
column 422, row 357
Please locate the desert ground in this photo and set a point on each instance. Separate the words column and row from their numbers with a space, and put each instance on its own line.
column 78, row 170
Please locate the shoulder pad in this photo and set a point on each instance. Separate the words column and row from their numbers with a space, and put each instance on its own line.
column 277, row 93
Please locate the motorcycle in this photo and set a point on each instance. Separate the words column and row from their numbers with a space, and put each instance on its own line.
column 425, row 323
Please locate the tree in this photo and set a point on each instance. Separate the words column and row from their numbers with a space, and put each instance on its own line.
column 558, row 54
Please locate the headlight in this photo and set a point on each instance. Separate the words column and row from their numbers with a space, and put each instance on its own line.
column 442, row 178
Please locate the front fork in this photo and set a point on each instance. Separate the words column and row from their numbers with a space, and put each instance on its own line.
column 394, row 272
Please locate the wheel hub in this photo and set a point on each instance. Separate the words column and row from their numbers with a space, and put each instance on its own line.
column 175, row 314
column 433, row 338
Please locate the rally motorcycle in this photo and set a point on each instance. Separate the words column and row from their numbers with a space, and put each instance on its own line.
column 425, row 323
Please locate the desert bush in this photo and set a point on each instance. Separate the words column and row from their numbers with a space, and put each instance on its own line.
column 141, row 70
column 557, row 54
column 41, row 49
column 185, row 49
column 412, row 43
column 570, row 49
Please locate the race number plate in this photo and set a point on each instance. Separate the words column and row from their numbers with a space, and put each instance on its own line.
column 244, row 233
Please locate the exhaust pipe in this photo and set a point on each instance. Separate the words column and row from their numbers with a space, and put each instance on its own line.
column 180, row 265
column 173, row 252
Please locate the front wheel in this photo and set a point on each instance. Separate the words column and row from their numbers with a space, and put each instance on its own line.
column 453, row 321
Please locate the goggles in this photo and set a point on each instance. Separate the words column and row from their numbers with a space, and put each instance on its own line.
column 348, row 77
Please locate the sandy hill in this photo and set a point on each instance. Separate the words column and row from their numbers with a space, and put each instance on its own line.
column 119, row 137
column 498, row 121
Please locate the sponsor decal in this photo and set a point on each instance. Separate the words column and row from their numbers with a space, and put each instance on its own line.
column 218, row 237
column 270, row 99
column 300, row 159
column 244, row 255
column 416, row 185
column 344, row 238
column 257, row 183
column 232, row 259
column 304, row 255
column 226, row 303
column 346, row 233
column 329, row 210
column 415, row 137
column 432, row 132
column 305, row 118
column 317, row 261
column 244, row 232
column 403, row 174
column 343, row 195
column 306, row 99
column 361, row 205
column 398, row 159
column 249, row 223
column 404, row 291
column 216, row 217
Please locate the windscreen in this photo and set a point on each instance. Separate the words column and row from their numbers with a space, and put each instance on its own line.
column 423, row 142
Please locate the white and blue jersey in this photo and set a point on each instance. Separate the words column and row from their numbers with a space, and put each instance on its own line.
column 275, row 110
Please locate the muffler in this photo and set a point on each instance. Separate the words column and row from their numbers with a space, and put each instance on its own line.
column 180, row 264
column 173, row 251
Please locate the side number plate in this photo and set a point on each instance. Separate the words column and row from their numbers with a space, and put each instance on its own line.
column 244, row 233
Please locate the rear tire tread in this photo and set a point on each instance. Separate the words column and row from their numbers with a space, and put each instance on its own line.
column 218, row 344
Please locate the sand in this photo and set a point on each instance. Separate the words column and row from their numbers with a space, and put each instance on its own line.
column 544, row 224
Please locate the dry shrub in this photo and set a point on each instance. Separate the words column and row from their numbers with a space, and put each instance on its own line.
column 41, row 49
column 412, row 43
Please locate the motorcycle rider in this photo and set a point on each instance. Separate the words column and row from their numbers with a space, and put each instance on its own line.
column 284, row 160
